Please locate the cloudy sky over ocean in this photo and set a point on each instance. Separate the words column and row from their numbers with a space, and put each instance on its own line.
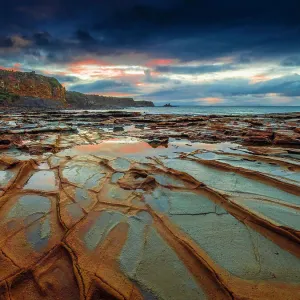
column 188, row 52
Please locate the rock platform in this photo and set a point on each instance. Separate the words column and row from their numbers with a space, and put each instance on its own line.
column 168, row 207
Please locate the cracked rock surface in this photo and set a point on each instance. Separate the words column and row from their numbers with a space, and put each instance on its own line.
column 170, row 207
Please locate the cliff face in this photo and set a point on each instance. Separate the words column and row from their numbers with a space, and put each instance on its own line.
column 144, row 104
column 24, row 86
column 21, row 89
column 79, row 100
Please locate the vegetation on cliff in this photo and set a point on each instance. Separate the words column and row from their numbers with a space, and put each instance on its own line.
column 79, row 100
column 30, row 84
column 30, row 89
column 8, row 97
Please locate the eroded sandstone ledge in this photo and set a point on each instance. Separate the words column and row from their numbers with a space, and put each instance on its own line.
column 119, row 205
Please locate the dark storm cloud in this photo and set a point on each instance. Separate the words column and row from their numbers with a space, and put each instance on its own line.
column 84, row 36
column 197, row 14
column 293, row 61
column 285, row 86
column 150, row 79
column 199, row 29
column 186, row 30
column 6, row 42
column 42, row 38
column 195, row 69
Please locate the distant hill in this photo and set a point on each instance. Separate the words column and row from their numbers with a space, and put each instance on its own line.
column 79, row 100
column 28, row 89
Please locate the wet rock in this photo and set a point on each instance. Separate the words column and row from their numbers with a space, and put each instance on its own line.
column 118, row 128
column 286, row 138
column 140, row 126
column 44, row 129
column 5, row 144
column 258, row 137
column 255, row 122
column 8, row 141
column 158, row 142
column 88, row 214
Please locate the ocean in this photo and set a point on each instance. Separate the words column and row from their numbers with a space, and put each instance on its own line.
column 214, row 110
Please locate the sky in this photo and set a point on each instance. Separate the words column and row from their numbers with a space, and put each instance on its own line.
column 183, row 52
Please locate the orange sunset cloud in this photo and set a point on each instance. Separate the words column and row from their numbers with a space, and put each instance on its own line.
column 160, row 61
column 212, row 100
column 258, row 78
column 15, row 67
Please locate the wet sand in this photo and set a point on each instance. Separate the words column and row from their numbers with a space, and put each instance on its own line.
column 119, row 205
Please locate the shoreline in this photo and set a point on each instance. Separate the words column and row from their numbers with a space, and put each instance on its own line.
column 137, row 110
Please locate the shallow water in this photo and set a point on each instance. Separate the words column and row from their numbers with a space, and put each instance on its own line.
column 215, row 110
column 42, row 180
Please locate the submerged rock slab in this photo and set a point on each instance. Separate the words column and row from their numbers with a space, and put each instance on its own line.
column 96, row 214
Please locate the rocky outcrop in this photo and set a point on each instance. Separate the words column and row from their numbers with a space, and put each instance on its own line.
column 286, row 137
column 79, row 100
column 30, row 89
